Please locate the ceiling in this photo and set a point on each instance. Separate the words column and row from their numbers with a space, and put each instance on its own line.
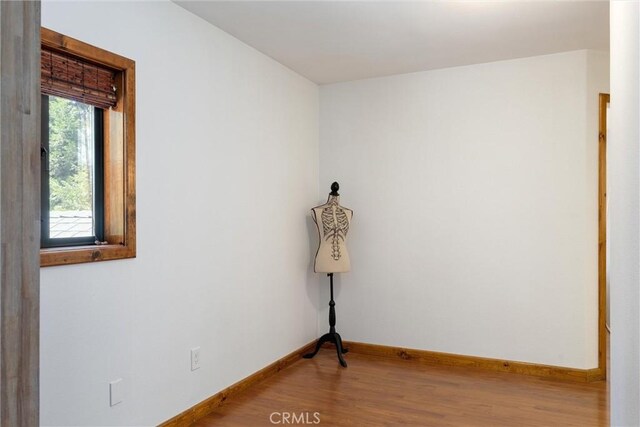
column 333, row 41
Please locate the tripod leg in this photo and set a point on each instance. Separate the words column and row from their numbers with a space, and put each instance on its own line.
column 340, row 351
column 339, row 339
column 321, row 340
column 332, row 337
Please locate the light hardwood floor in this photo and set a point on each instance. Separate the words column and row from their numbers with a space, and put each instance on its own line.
column 375, row 391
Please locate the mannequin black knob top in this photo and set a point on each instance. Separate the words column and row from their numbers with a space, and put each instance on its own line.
column 334, row 189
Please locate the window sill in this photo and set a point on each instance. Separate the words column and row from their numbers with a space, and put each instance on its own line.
column 83, row 254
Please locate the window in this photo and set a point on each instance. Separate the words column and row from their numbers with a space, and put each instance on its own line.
column 88, row 153
column 72, row 196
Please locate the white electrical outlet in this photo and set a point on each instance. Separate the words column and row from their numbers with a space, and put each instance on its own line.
column 195, row 358
column 115, row 392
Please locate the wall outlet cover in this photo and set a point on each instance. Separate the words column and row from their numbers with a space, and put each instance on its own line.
column 115, row 392
column 195, row 358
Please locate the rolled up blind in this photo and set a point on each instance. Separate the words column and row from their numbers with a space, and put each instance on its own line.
column 72, row 78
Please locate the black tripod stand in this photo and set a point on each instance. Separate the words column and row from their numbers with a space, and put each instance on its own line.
column 332, row 336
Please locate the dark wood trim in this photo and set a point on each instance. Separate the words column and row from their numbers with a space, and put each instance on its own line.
column 82, row 254
column 448, row 359
column 602, row 233
column 75, row 47
column 19, row 212
column 207, row 406
column 119, row 160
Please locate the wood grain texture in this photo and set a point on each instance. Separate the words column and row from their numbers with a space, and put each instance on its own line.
column 209, row 405
column 76, row 47
column 130, row 236
column 447, row 359
column 384, row 391
column 602, row 233
column 19, row 212
column 80, row 254
column 119, row 159
column 209, row 411
column 114, row 172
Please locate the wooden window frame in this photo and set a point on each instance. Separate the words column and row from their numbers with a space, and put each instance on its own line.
column 119, row 160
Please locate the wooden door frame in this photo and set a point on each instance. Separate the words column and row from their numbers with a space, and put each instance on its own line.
column 19, row 213
column 602, row 234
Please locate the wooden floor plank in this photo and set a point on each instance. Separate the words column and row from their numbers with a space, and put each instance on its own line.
column 376, row 391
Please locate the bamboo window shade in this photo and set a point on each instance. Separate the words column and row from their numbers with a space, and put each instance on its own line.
column 68, row 77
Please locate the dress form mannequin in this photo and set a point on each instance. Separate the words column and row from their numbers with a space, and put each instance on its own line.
column 333, row 223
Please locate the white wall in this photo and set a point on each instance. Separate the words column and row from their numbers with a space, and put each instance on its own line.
column 624, row 176
column 227, row 170
column 490, row 168
column 475, row 198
